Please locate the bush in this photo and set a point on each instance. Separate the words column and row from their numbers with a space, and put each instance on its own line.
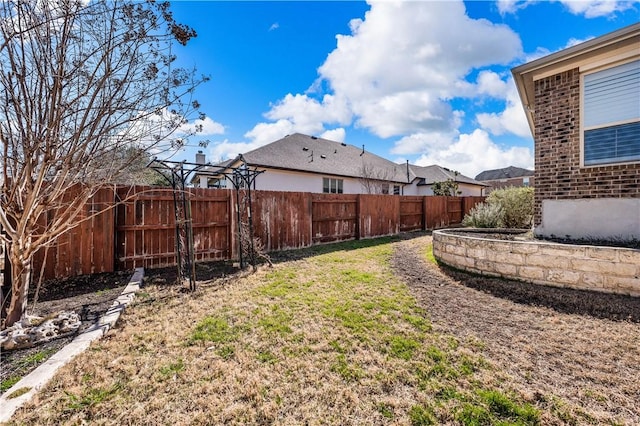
column 517, row 204
column 504, row 208
column 484, row 215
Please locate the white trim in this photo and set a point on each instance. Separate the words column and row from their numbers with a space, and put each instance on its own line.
column 598, row 66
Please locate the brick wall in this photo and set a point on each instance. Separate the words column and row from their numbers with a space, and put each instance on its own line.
column 506, row 183
column 558, row 174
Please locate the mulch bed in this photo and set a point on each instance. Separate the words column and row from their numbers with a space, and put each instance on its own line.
column 580, row 346
column 89, row 296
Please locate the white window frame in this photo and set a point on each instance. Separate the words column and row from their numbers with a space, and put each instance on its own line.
column 335, row 185
column 587, row 70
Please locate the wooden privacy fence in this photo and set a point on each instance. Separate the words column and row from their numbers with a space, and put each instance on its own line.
column 139, row 229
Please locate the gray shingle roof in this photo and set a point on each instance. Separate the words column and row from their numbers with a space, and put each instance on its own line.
column 431, row 174
column 505, row 173
column 317, row 155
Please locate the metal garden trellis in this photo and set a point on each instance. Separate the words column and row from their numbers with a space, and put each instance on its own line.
column 242, row 179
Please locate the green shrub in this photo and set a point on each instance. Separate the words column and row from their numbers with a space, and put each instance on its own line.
column 484, row 215
column 517, row 204
column 504, row 208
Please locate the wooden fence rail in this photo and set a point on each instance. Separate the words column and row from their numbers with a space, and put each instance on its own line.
column 139, row 228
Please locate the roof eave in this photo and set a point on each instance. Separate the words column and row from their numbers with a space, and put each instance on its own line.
column 523, row 74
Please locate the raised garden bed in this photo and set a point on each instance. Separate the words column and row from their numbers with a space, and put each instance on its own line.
column 515, row 255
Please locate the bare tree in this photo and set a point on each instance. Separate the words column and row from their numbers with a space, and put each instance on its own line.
column 375, row 180
column 81, row 84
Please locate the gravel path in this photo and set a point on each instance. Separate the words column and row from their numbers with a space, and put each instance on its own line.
column 579, row 346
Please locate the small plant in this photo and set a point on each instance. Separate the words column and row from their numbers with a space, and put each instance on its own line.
column 428, row 253
column 226, row 352
column 212, row 329
column 172, row 369
column 8, row 382
column 93, row 397
column 18, row 392
column 484, row 215
column 347, row 372
column 421, row 416
column 446, row 188
column 403, row 348
column 385, row 410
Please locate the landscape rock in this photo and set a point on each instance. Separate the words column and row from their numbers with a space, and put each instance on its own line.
column 31, row 331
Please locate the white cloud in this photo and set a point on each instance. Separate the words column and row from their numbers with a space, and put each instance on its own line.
column 588, row 8
column 301, row 114
column 274, row 26
column 337, row 135
column 596, row 8
column 264, row 133
column 472, row 153
column 490, row 83
column 421, row 142
column 405, row 61
column 224, row 150
column 512, row 119
column 308, row 113
column 203, row 127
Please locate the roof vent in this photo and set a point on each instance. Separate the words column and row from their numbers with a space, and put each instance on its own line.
column 335, row 151
column 314, row 137
column 323, row 156
column 343, row 144
column 305, row 149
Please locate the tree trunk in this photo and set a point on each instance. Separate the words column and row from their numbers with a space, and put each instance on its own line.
column 20, row 279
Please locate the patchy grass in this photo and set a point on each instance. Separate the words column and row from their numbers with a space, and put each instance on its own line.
column 333, row 338
column 428, row 254
column 25, row 364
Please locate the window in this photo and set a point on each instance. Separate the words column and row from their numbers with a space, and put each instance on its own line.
column 525, row 182
column 611, row 115
column 332, row 186
column 385, row 188
column 396, row 189
column 216, row 183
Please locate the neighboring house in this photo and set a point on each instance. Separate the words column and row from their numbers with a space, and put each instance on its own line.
column 506, row 177
column 422, row 178
column 309, row 164
column 583, row 107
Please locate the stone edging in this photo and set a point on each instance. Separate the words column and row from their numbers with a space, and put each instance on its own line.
column 604, row 269
column 39, row 377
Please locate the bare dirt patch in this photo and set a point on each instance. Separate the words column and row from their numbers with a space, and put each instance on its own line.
column 581, row 346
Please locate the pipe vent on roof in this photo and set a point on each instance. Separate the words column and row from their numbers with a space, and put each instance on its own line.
column 323, row 156
column 314, row 137
column 343, row 144
column 305, row 149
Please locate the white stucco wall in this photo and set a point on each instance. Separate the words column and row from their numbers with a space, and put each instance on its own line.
column 591, row 218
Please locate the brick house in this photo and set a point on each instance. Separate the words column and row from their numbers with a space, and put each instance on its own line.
column 506, row 177
column 583, row 108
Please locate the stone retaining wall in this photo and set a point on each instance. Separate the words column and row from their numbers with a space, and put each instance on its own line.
column 605, row 269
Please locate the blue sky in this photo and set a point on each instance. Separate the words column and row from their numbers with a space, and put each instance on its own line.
column 424, row 81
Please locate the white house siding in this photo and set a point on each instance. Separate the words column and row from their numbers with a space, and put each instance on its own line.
column 283, row 180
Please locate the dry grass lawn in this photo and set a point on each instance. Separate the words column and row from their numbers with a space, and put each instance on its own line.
column 332, row 338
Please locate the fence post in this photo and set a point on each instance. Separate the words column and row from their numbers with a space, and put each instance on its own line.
column 358, row 218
